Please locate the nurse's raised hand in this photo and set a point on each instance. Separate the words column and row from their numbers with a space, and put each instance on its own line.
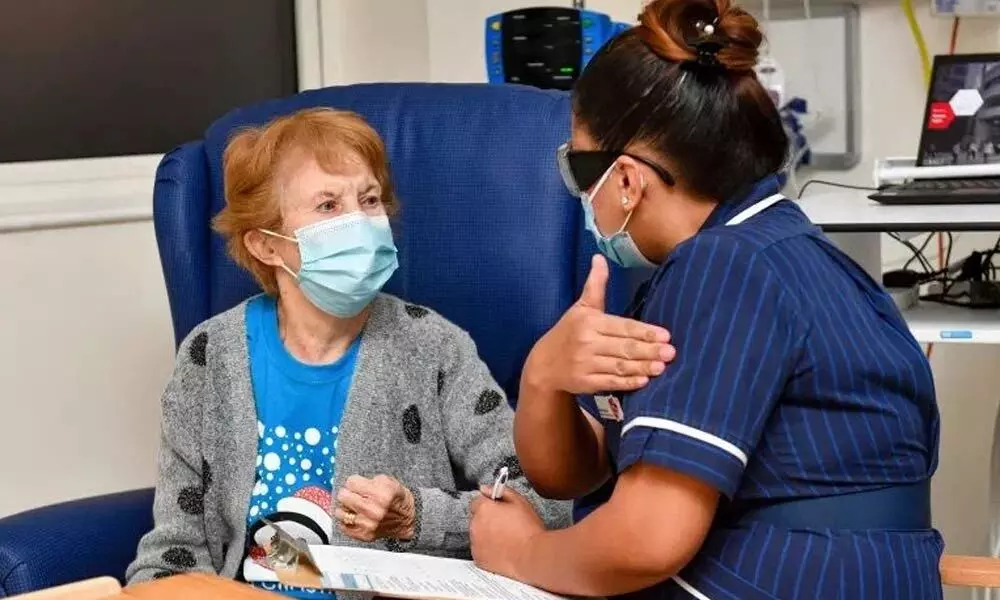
column 589, row 351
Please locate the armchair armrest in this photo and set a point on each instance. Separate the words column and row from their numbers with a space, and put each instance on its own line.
column 67, row 542
column 970, row 571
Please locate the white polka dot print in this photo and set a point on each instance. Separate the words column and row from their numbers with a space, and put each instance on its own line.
column 272, row 461
column 312, row 436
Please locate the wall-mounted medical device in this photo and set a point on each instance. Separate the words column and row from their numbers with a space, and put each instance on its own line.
column 545, row 47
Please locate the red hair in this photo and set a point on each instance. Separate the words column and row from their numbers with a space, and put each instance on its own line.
column 257, row 157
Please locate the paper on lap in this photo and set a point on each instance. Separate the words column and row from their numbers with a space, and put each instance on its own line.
column 414, row 576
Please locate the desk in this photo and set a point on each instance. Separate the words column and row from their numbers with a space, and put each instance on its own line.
column 859, row 222
column 852, row 212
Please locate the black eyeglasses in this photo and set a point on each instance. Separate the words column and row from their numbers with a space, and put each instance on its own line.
column 581, row 169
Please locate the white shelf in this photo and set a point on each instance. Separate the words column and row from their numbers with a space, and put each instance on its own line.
column 70, row 204
column 940, row 323
column 853, row 211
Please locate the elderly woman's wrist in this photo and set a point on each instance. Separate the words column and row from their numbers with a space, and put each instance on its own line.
column 408, row 528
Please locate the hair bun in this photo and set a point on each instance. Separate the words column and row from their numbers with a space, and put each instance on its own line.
column 694, row 30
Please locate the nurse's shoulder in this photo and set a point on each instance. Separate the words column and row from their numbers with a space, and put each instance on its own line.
column 722, row 269
column 720, row 249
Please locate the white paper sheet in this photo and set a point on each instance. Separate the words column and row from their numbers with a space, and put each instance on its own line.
column 415, row 576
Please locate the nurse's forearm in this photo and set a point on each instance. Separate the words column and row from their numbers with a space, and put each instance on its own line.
column 651, row 528
column 558, row 448
column 596, row 557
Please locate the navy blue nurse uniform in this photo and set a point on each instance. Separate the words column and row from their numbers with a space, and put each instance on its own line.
column 796, row 381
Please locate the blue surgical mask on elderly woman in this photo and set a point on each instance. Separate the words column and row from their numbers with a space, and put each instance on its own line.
column 619, row 246
column 345, row 261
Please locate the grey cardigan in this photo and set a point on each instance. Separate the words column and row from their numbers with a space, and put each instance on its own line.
column 422, row 408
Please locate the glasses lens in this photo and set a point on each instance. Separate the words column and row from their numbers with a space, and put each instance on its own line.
column 580, row 169
column 588, row 167
column 562, row 158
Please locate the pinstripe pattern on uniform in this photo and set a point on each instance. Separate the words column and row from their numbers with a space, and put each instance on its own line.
column 791, row 357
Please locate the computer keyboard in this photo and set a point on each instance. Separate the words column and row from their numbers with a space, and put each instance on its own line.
column 979, row 190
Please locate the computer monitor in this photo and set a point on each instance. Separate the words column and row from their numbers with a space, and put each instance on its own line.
column 544, row 47
column 962, row 118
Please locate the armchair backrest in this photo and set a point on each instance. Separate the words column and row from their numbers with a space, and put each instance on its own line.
column 487, row 234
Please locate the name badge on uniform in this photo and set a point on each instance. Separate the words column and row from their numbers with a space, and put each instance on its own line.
column 609, row 407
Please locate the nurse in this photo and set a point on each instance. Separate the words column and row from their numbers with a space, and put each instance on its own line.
column 786, row 451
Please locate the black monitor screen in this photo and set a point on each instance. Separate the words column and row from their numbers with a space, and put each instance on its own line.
column 962, row 120
column 94, row 78
column 542, row 47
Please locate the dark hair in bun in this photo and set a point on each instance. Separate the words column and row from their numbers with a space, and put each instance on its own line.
column 671, row 30
column 682, row 83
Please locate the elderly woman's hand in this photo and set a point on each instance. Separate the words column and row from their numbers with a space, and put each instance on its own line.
column 377, row 508
column 589, row 351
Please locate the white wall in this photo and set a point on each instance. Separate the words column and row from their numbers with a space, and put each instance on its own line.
column 374, row 40
column 85, row 348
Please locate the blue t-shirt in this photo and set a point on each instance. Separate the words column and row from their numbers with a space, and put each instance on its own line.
column 299, row 408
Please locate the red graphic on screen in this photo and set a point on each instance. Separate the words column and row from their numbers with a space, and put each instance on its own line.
column 941, row 116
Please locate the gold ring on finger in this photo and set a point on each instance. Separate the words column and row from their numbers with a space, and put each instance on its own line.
column 350, row 518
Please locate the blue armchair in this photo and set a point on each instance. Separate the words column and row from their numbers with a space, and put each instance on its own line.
column 487, row 236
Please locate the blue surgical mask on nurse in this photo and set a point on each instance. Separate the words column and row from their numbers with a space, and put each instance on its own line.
column 619, row 246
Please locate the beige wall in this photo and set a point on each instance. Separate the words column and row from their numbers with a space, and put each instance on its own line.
column 374, row 40
column 85, row 348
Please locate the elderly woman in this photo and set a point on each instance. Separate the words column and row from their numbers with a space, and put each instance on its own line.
column 341, row 414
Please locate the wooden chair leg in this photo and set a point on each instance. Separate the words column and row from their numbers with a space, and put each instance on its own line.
column 970, row 571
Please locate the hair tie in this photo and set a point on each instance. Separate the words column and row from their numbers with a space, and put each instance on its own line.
column 707, row 45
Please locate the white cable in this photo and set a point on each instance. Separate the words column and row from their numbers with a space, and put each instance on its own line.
column 793, row 179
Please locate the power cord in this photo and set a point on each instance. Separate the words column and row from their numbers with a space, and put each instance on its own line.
column 978, row 273
column 845, row 186
column 918, row 253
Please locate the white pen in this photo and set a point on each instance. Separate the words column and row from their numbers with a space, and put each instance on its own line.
column 500, row 484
